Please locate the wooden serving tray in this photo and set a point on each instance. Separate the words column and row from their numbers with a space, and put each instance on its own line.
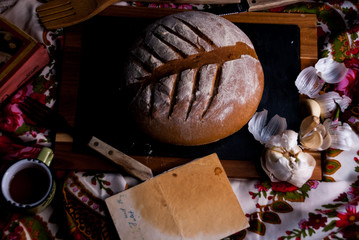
column 70, row 158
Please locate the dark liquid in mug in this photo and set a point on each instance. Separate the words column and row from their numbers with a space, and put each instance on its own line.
column 29, row 185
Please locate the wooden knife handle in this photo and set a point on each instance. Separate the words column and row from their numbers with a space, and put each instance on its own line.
column 129, row 164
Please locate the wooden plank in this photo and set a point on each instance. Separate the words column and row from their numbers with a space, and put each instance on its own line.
column 66, row 159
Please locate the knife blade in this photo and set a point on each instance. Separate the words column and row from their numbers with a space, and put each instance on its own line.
column 231, row 8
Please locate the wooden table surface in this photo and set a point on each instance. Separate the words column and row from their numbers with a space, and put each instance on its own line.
column 66, row 158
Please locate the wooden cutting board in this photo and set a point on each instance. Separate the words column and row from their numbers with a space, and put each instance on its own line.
column 68, row 156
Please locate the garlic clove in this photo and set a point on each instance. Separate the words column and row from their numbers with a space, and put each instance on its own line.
column 314, row 135
column 303, row 170
column 308, row 124
column 311, row 107
column 276, row 166
column 274, row 154
column 288, row 140
column 327, row 142
column 308, row 82
column 313, row 140
column 295, row 150
column 330, row 70
column 327, row 139
column 321, row 129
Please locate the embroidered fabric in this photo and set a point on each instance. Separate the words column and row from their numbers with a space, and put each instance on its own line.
column 276, row 210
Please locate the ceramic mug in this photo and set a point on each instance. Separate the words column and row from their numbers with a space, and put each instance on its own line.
column 29, row 184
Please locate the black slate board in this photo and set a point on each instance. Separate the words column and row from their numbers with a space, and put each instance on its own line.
column 101, row 110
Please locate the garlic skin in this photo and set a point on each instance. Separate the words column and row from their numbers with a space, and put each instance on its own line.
column 328, row 103
column 262, row 132
column 330, row 70
column 287, row 140
column 284, row 160
column 308, row 82
column 343, row 136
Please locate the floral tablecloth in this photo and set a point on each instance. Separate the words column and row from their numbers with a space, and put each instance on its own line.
column 326, row 209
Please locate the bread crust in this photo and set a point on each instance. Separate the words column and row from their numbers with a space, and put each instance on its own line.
column 197, row 79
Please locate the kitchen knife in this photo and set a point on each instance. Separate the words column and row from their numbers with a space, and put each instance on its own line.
column 250, row 6
column 129, row 164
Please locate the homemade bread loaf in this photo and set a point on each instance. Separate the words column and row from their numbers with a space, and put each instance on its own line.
column 196, row 79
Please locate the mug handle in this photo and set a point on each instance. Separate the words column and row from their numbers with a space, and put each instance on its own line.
column 46, row 155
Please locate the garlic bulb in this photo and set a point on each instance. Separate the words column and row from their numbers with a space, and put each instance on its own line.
column 262, row 132
column 308, row 82
column 313, row 135
column 328, row 103
column 330, row 70
column 343, row 136
column 284, row 160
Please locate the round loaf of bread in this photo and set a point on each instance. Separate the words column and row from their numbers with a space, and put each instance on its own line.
column 196, row 79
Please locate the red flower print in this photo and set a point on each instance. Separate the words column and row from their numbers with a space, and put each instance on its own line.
column 354, row 29
column 19, row 229
column 39, row 97
column 346, row 219
column 326, row 212
column 316, row 221
column 7, row 146
column 260, row 187
column 313, row 184
column 343, row 197
column 17, row 152
column 354, row 192
column 349, row 85
column 109, row 192
column 350, row 232
column 28, row 152
column 354, row 51
column 163, row 5
column 283, row 187
column 14, row 236
column 351, row 62
column 20, row 94
column 11, row 119
column 277, row 9
column 252, row 194
column 303, row 224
